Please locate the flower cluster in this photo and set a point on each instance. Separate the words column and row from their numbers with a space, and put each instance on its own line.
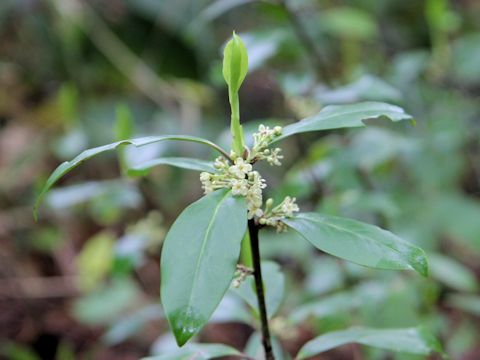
column 240, row 177
column 261, row 140
column 273, row 216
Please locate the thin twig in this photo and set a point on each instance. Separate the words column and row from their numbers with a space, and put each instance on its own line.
column 257, row 273
column 314, row 52
column 125, row 60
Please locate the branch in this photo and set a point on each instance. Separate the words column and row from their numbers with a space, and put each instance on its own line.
column 257, row 273
column 315, row 55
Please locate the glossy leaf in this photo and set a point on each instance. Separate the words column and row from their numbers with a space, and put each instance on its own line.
column 181, row 162
column 274, row 285
column 409, row 340
column 358, row 242
column 67, row 166
column 199, row 258
column 198, row 352
column 345, row 116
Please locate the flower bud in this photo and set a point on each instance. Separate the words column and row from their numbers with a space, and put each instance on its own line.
column 235, row 63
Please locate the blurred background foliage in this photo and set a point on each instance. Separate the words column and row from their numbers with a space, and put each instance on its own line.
column 83, row 282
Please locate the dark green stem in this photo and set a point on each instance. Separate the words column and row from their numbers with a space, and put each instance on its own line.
column 257, row 273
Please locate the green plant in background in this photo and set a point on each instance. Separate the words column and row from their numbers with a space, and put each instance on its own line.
column 200, row 255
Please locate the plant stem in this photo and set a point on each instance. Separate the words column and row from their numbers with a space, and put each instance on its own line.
column 257, row 273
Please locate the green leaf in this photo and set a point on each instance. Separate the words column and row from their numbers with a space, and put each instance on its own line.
column 107, row 303
column 131, row 324
column 358, row 242
column 344, row 116
column 198, row 352
column 349, row 22
column 337, row 303
column 274, row 283
column 235, row 63
column 344, row 302
column 67, row 166
column 467, row 303
column 218, row 8
column 452, row 273
column 181, row 162
column 409, row 340
column 95, row 260
column 199, row 258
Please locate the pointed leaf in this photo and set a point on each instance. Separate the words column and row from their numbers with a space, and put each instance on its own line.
column 67, row 166
column 198, row 352
column 409, row 340
column 358, row 242
column 199, row 258
column 344, row 116
column 181, row 162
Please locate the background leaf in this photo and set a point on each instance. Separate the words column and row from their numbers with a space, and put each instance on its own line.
column 274, row 286
column 198, row 352
column 254, row 348
column 95, row 260
column 410, row 340
column 199, row 258
column 452, row 273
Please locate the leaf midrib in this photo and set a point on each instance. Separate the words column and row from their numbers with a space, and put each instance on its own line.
column 310, row 119
column 332, row 116
column 202, row 249
column 350, row 232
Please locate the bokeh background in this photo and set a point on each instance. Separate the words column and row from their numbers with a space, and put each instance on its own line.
column 83, row 282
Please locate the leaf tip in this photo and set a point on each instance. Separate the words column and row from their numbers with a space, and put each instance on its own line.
column 420, row 263
column 185, row 323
